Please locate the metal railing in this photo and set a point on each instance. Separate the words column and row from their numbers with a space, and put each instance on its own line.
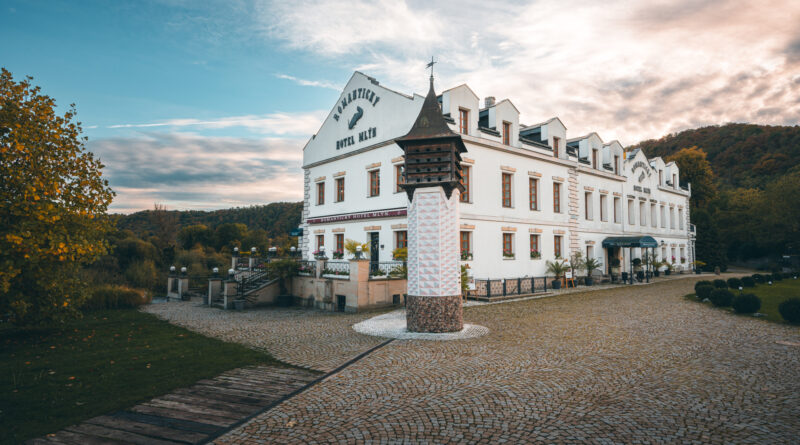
column 388, row 269
column 339, row 268
column 510, row 286
column 251, row 281
column 307, row 267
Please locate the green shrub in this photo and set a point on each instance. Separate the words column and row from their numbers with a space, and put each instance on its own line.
column 746, row 303
column 767, row 277
column 748, row 282
column 142, row 274
column 758, row 278
column 721, row 297
column 787, row 275
column 734, row 283
column 115, row 297
column 704, row 291
column 720, row 284
column 702, row 283
column 790, row 310
column 777, row 276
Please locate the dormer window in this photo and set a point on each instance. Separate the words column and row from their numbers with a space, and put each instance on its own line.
column 556, row 141
column 594, row 159
column 674, row 181
column 506, row 133
column 661, row 177
column 463, row 121
column 616, row 165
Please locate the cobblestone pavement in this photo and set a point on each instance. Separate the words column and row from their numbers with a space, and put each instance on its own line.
column 303, row 337
column 625, row 365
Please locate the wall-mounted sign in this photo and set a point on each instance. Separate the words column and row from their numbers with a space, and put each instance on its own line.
column 363, row 94
column 645, row 169
column 360, row 215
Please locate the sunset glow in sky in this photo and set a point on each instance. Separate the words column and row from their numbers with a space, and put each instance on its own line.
column 204, row 105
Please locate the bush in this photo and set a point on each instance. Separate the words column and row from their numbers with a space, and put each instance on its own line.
column 704, row 291
column 720, row 284
column 746, row 304
column 767, row 277
column 721, row 297
column 777, row 276
column 758, row 278
column 748, row 282
column 702, row 283
column 115, row 297
column 734, row 283
column 787, row 275
column 142, row 274
column 790, row 310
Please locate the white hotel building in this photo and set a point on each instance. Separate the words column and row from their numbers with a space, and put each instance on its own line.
column 528, row 187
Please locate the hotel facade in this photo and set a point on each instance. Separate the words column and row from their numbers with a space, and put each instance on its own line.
column 531, row 193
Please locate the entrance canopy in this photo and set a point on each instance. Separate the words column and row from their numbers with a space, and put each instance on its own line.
column 630, row 241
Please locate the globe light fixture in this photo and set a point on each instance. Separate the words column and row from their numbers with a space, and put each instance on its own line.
column 183, row 270
column 215, row 270
column 253, row 250
column 172, row 269
column 231, row 272
column 358, row 252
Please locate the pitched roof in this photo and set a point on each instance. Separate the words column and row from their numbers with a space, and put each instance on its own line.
column 430, row 123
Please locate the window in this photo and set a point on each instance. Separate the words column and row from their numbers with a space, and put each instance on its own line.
column 338, row 241
column 661, row 177
column 556, row 141
column 616, row 165
column 674, row 181
column 631, row 213
column 683, row 255
column 463, row 121
column 672, row 218
column 663, row 217
column 320, row 241
column 400, row 239
column 680, row 219
column 617, row 210
column 320, row 193
column 587, row 203
column 664, row 253
column 506, row 189
column 642, row 214
column 374, row 183
column 594, row 159
column 603, row 203
column 557, row 246
column 673, row 259
column 339, row 189
column 508, row 244
column 535, row 253
column 589, row 252
column 466, row 245
column 399, row 177
column 533, row 193
column 507, row 133
column 653, row 216
column 465, row 179
column 556, row 197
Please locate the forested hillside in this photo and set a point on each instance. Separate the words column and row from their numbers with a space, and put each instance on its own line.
column 745, row 189
column 741, row 155
column 277, row 218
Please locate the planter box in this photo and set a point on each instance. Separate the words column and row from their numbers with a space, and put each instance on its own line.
column 336, row 277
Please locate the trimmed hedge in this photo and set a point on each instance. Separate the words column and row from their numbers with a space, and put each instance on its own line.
column 720, row 284
column 704, row 291
column 734, row 283
column 746, row 303
column 702, row 283
column 115, row 297
column 721, row 297
column 748, row 282
column 758, row 278
column 790, row 310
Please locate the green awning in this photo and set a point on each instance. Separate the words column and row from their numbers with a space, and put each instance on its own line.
column 630, row 241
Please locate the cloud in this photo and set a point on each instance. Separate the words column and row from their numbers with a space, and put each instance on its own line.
column 306, row 123
column 628, row 70
column 311, row 83
column 186, row 170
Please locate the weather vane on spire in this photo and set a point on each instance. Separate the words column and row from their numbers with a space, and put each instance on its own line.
column 430, row 65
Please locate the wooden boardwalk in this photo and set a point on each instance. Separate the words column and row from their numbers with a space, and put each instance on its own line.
column 190, row 415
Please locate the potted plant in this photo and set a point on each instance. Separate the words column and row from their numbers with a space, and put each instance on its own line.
column 615, row 265
column 338, row 254
column 535, row 254
column 400, row 254
column 656, row 267
column 508, row 255
column 668, row 268
column 466, row 256
column 590, row 264
column 575, row 262
column 557, row 268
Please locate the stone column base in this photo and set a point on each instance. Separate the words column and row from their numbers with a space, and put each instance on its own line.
column 434, row 314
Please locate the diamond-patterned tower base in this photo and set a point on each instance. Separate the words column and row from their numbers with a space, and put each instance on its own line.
column 434, row 269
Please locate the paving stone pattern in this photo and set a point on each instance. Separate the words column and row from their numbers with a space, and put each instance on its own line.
column 308, row 338
column 636, row 364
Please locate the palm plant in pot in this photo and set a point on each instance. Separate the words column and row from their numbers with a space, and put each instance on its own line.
column 557, row 268
column 590, row 264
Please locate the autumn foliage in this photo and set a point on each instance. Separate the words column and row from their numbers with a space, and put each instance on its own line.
column 53, row 204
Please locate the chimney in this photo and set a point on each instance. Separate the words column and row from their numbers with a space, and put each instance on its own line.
column 488, row 102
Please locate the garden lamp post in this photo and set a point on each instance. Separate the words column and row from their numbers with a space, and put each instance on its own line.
column 183, row 270
column 273, row 252
column 215, row 271
column 358, row 252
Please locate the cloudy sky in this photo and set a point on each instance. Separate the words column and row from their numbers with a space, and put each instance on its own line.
column 203, row 105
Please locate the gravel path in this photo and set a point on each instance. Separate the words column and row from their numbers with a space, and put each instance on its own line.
column 625, row 365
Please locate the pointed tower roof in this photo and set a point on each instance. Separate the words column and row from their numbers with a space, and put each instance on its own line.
column 430, row 123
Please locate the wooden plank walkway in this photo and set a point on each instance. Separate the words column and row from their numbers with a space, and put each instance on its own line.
column 190, row 415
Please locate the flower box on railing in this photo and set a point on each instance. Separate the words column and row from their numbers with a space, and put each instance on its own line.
column 535, row 255
column 508, row 256
column 466, row 256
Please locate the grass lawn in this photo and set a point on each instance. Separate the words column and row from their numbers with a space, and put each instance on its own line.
column 109, row 360
column 771, row 296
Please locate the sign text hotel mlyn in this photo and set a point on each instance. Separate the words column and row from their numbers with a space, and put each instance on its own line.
column 359, row 93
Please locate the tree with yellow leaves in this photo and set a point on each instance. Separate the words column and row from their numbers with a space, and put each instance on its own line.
column 53, row 203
